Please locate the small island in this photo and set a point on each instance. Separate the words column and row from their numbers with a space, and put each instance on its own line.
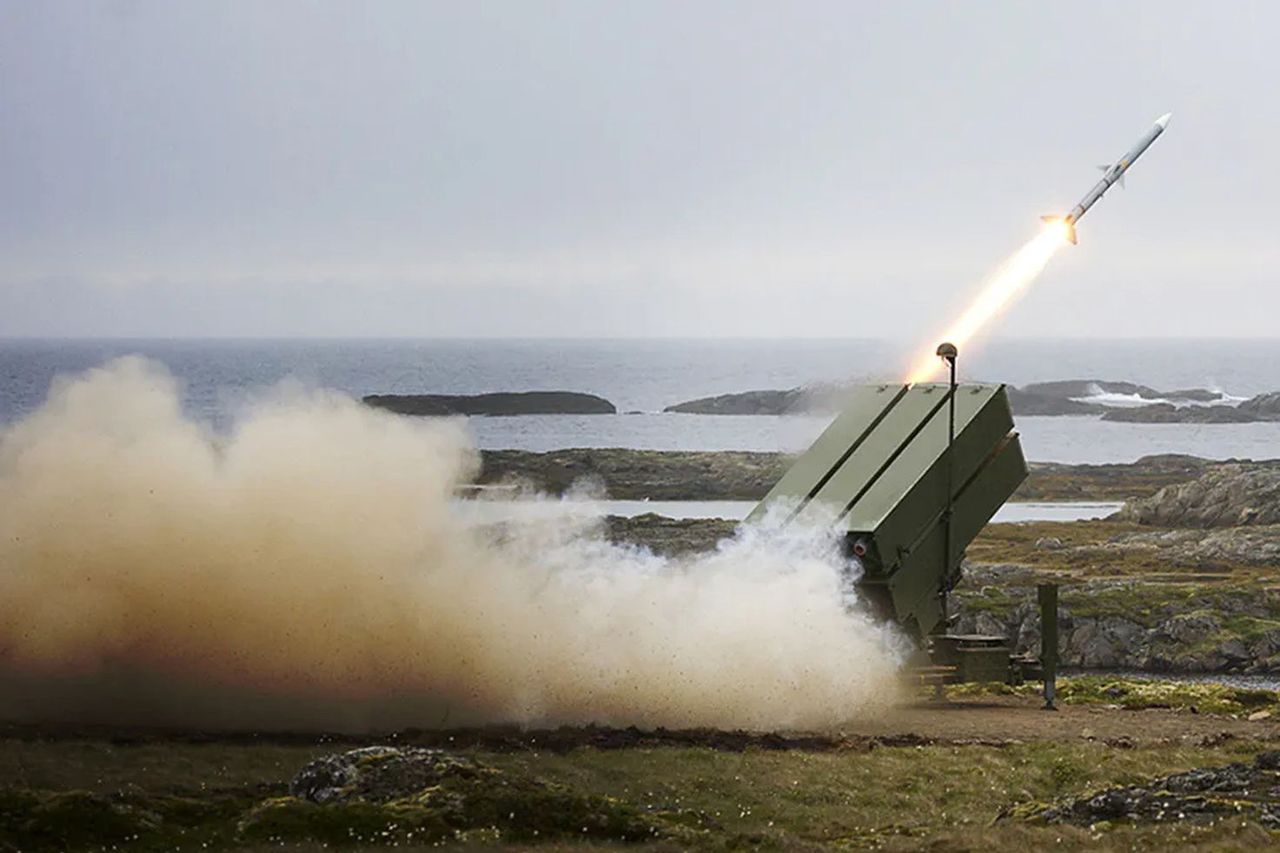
column 497, row 404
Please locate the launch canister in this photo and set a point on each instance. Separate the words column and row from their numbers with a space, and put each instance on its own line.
column 1110, row 175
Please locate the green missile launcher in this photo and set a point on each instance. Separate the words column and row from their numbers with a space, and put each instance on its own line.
column 909, row 499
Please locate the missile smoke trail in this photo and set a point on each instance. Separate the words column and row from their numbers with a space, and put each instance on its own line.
column 310, row 569
column 1007, row 284
column 1028, row 262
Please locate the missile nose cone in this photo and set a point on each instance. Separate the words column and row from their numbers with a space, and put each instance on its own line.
column 1163, row 121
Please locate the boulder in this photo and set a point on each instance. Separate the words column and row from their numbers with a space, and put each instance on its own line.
column 378, row 774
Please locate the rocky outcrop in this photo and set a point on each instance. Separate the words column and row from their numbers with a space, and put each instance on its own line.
column 1204, row 796
column 789, row 402
column 627, row 474
column 378, row 774
column 1228, row 495
column 669, row 537
column 1025, row 402
column 393, row 796
column 638, row 474
column 1092, row 387
column 1167, row 413
column 1264, row 406
column 804, row 400
column 1129, row 624
column 504, row 403
column 1068, row 397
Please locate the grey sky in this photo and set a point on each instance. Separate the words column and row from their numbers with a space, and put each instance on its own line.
column 600, row 169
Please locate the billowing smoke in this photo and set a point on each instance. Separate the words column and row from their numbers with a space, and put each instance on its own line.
column 310, row 568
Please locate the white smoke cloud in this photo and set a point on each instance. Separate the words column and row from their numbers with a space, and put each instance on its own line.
column 310, row 568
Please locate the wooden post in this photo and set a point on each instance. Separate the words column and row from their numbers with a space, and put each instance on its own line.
column 1048, row 594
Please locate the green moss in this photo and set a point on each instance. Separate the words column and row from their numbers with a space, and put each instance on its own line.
column 945, row 796
column 1137, row 694
column 287, row 819
column 495, row 806
column 989, row 599
column 50, row 820
column 1250, row 628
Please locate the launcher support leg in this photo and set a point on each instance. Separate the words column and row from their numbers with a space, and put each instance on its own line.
column 948, row 354
column 1048, row 595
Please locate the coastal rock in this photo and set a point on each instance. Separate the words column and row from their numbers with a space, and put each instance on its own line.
column 1189, row 628
column 640, row 474
column 1064, row 388
column 628, row 474
column 1080, row 390
column 1024, row 402
column 502, row 403
column 1167, row 413
column 1224, row 496
column 789, row 402
column 1264, row 405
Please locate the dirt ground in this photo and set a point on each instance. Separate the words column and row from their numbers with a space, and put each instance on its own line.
column 986, row 720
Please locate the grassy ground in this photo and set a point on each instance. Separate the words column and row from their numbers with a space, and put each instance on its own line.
column 1139, row 695
column 893, row 794
column 1098, row 549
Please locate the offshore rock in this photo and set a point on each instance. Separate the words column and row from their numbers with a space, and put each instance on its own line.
column 1167, row 413
column 1027, row 402
column 789, row 402
column 502, row 403
column 1263, row 405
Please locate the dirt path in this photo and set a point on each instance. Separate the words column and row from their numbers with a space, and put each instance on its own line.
column 986, row 720
column 1022, row 718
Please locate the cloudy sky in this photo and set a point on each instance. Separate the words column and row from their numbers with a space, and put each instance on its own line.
column 611, row 169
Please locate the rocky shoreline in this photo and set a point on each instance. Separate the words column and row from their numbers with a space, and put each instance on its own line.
column 625, row 474
column 1070, row 397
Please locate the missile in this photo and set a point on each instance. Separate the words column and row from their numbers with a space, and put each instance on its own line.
column 1110, row 175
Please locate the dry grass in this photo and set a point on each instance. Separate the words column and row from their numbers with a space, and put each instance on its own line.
column 942, row 797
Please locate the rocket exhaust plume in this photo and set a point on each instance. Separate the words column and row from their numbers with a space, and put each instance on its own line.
column 311, row 569
column 1008, row 282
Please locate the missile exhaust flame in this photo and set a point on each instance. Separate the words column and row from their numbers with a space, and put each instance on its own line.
column 1008, row 282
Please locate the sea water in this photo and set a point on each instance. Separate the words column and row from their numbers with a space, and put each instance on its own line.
column 641, row 377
